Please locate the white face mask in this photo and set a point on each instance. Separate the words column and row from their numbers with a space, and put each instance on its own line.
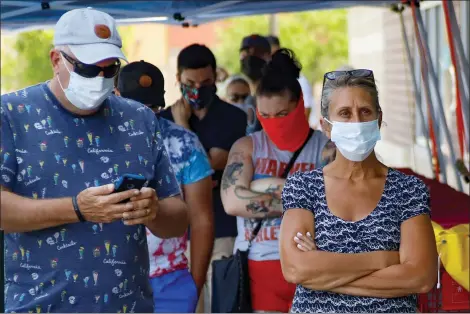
column 87, row 93
column 355, row 140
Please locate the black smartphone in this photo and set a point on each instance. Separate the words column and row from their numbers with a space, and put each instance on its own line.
column 129, row 182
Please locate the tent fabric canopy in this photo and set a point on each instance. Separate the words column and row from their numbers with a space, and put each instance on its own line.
column 19, row 14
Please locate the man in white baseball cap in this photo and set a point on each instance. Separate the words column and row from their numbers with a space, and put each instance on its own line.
column 73, row 243
column 91, row 35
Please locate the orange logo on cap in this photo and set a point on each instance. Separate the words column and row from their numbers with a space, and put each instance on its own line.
column 102, row 31
column 145, row 81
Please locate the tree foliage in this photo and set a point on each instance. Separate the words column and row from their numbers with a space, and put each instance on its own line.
column 25, row 59
column 318, row 38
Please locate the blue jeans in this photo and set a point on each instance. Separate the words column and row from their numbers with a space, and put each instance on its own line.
column 174, row 292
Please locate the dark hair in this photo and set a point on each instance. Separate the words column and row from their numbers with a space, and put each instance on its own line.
column 280, row 75
column 196, row 56
column 273, row 40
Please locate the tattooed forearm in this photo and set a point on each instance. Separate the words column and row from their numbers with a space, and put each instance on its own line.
column 261, row 202
column 246, row 194
column 233, row 170
column 328, row 153
column 274, row 205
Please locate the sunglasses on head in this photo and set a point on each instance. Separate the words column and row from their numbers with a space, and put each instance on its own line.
column 238, row 97
column 333, row 75
column 91, row 70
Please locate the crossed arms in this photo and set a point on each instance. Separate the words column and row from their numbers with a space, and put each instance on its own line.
column 382, row 274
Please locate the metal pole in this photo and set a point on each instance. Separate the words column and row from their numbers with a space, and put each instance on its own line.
column 461, row 68
column 458, row 41
column 417, row 92
column 440, row 108
column 427, row 90
column 2, row 272
column 273, row 25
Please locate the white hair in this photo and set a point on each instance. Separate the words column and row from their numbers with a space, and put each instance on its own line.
column 233, row 78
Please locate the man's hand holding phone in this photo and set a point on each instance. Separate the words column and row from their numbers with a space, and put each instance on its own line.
column 145, row 208
column 101, row 205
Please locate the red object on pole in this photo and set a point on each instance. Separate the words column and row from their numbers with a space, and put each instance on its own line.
column 453, row 54
column 424, row 71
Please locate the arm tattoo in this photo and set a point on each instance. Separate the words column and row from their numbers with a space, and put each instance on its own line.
column 233, row 170
column 259, row 206
column 328, row 153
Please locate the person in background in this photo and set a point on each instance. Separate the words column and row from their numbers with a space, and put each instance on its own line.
column 72, row 245
column 221, row 76
column 304, row 84
column 218, row 125
column 237, row 90
column 255, row 52
column 252, row 183
column 350, row 230
column 175, row 289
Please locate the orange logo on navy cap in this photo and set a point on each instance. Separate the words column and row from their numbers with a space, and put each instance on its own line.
column 102, row 31
column 145, row 80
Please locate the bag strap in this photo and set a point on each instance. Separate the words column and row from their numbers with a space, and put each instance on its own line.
column 284, row 175
column 296, row 155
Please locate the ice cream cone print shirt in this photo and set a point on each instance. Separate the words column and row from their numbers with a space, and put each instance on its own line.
column 47, row 152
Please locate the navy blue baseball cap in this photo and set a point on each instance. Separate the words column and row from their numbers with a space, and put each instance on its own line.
column 256, row 41
column 143, row 82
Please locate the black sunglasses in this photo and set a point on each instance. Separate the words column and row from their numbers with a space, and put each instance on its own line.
column 333, row 75
column 91, row 70
column 238, row 97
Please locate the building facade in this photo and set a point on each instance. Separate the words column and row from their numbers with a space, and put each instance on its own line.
column 375, row 42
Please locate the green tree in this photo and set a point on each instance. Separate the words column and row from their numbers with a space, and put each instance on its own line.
column 25, row 59
column 318, row 38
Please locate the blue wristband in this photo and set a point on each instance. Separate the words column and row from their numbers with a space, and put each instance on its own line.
column 77, row 209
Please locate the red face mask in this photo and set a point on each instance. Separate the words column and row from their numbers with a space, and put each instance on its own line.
column 289, row 132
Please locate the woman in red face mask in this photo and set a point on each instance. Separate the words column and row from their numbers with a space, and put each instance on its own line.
column 256, row 171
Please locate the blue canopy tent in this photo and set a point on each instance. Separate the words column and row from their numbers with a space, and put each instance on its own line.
column 17, row 14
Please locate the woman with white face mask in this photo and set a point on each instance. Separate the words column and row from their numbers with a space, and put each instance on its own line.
column 350, row 229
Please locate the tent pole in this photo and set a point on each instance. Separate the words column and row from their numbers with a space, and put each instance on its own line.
column 421, row 33
column 2, row 271
column 425, row 78
column 461, row 69
column 417, row 93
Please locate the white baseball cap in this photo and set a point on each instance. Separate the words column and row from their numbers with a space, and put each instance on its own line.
column 91, row 35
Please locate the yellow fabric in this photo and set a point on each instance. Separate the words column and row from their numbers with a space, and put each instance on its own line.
column 453, row 248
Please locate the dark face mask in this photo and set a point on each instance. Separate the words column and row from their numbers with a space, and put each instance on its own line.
column 252, row 67
column 200, row 97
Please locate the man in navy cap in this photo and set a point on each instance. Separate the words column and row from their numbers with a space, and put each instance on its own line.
column 255, row 52
column 175, row 289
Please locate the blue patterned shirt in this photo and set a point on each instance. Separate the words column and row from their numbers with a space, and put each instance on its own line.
column 48, row 152
column 403, row 197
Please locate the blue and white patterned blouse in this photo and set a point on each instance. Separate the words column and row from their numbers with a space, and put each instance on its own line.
column 403, row 197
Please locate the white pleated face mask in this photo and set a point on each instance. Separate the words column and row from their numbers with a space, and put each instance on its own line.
column 355, row 140
column 87, row 93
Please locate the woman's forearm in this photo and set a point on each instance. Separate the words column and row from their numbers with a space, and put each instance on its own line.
column 394, row 281
column 21, row 214
column 367, row 292
column 320, row 270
